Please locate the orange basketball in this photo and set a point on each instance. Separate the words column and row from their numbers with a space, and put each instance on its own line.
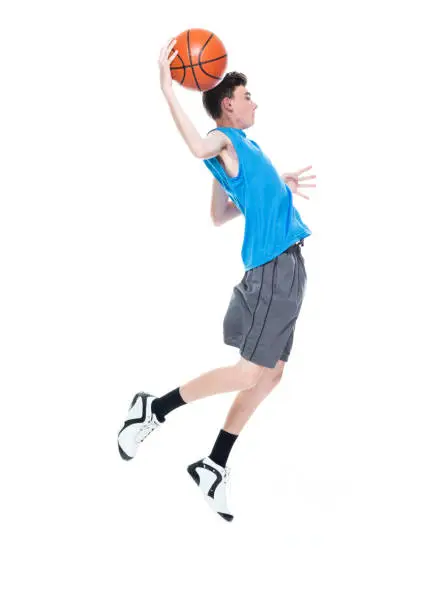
column 201, row 60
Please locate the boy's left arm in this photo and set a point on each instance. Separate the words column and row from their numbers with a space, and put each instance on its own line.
column 231, row 211
column 293, row 181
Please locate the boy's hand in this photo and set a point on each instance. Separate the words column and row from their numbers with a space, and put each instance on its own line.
column 164, row 62
column 293, row 179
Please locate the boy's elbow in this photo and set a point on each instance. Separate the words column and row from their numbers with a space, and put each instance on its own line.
column 197, row 150
column 203, row 150
column 217, row 222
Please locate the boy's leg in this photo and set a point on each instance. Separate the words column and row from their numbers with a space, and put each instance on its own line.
column 241, row 410
column 148, row 412
column 211, row 473
column 248, row 400
column 241, row 375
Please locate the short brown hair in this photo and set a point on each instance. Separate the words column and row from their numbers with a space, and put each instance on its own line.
column 212, row 98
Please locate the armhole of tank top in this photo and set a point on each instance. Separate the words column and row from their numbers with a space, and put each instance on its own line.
column 235, row 145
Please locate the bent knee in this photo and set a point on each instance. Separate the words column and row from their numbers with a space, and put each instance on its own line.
column 273, row 376
column 278, row 371
column 249, row 373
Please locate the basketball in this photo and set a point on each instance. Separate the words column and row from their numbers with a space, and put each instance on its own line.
column 201, row 60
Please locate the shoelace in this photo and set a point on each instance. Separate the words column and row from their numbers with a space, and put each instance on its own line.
column 145, row 430
column 227, row 484
column 226, row 475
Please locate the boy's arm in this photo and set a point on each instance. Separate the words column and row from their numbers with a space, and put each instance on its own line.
column 230, row 212
column 204, row 148
column 222, row 209
column 219, row 202
column 200, row 147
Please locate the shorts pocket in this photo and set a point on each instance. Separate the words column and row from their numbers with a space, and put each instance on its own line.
column 276, row 272
column 244, row 279
column 303, row 266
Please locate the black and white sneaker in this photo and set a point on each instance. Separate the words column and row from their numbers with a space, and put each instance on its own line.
column 140, row 422
column 213, row 480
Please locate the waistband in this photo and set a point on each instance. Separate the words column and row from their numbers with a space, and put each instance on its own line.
column 299, row 243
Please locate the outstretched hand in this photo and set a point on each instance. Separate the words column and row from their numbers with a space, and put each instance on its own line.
column 293, row 180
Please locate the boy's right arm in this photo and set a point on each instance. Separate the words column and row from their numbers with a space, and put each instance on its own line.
column 203, row 148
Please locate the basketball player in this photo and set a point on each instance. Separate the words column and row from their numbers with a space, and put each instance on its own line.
column 265, row 304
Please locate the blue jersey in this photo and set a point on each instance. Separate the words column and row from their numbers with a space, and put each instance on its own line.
column 272, row 223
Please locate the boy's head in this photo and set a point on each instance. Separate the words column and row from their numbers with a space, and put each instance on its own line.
column 229, row 103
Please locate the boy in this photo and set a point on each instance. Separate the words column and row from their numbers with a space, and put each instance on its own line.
column 265, row 304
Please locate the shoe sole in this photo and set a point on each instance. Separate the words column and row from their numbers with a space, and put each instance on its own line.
column 123, row 454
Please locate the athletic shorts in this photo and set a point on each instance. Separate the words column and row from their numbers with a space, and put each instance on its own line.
column 264, row 307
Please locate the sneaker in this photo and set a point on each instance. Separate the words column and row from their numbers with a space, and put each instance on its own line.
column 213, row 480
column 140, row 422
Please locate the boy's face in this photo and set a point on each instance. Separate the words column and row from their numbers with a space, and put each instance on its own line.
column 243, row 106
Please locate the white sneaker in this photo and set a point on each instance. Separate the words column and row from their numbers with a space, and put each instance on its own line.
column 213, row 480
column 140, row 422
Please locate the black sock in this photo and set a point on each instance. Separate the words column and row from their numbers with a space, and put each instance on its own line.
column 222, row 447
column 163, row 405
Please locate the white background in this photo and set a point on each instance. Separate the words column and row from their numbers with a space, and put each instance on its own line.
column 114, row 280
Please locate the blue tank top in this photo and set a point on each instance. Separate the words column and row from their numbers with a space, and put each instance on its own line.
column 272, row 223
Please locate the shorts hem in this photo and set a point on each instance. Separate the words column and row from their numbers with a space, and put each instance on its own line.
column 236, row 342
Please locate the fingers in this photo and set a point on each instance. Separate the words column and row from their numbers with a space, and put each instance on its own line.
column 295, row 181
column 167, row 48
column 296, row 175
column 305, row 178
column 303, row 169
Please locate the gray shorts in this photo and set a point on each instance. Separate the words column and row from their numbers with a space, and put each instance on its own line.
column 264, row 307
